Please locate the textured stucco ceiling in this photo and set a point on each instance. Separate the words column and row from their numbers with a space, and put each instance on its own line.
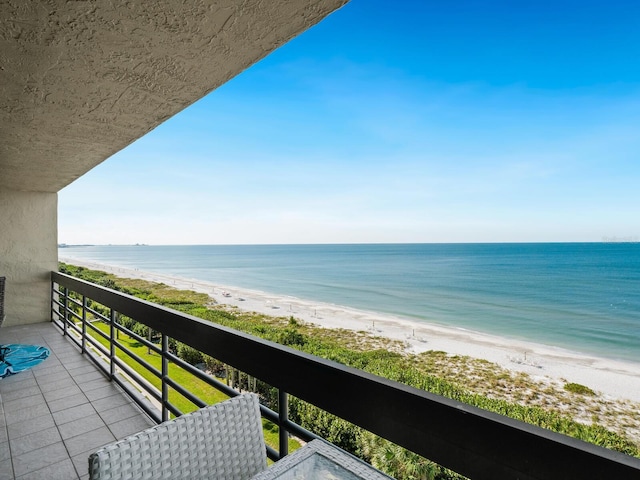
column 80, row 80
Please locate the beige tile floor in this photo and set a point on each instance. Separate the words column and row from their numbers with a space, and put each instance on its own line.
column 55, row 414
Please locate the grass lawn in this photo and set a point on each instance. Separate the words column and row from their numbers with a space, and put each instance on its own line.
column 190, row 382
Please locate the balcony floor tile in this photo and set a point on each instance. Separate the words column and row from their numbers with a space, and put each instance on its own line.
column 20, row 393
column 35, row 440
column 102, row 392
column 38, row 459
column 17, row 405
column 74, row 413
column 72, row 401
column 59, row 471
column 94, row 384
column 30, row 426
column 89, row 440
column 32, row 412
column 122, row 412
column 57, row 413
column 52, row 386
column 81, row 426
column 4, row 451
column 6, row 470
column 128, row 426
column 61, row 393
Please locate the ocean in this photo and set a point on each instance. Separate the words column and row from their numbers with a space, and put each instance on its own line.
column 583, row 297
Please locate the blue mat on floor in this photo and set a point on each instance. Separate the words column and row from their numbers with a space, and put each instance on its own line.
column 17, row 358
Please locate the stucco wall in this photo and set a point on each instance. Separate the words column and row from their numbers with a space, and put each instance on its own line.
column 80, row 80
column 28, row 253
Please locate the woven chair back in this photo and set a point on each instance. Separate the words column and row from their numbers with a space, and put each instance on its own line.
column 222, row 441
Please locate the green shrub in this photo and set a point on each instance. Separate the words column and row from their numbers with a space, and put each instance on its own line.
column 577, row 388
column 127, row 322
column 141, row 329
column 291, row 337
column 215, row 366
column 189, row 354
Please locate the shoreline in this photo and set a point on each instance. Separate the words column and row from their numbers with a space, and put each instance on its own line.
column 615, row 379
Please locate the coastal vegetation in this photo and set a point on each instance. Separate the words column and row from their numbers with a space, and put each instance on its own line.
column 577, row 388
column 564, row 407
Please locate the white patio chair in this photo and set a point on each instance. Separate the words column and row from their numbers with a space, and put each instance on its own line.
column 222, row 441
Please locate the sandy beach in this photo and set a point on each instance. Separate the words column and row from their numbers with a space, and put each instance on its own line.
column 613, row 379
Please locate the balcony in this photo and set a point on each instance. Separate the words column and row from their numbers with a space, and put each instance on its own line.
column 53, row 415
column 468, row 440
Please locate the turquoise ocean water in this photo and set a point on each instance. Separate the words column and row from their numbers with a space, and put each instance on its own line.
column 580, row 296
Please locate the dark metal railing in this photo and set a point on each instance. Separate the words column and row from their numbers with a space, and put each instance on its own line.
column 86, row 335
column 466, row 439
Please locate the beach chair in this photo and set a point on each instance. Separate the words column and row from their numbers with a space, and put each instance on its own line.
column 224, row 440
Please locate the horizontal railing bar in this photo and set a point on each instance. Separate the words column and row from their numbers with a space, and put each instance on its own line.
column 74, row 301
column 141, row 361
column 62, row 321
column 71, row 325
column 78, row 343
column 138, row 338
column 75, row 340
column 74, row 315
column 182, row 364
column 59, row 304
column 99, row 316
column 269, row 414
column 95, row 329
column 74, row 327
column 57, row 314
column 205, row 377
column 173, row 409
column 185, row 393
column 152, row 412
column 272, row 454
column 467, row 439
column 97, row 345
column 98, row 362
column 293, row 428
column 139, row 379
column 217, row 384
column 299, row 431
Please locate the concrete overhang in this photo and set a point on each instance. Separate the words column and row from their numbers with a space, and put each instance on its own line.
column 80, row 80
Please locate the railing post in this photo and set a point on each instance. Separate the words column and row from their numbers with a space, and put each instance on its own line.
column 112, row 345
column 53, row 298
column 165, row 375
column 84, row 324
column 283, row 416
column 65, row 310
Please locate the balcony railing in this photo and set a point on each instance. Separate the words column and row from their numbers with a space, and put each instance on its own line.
column 466, row 439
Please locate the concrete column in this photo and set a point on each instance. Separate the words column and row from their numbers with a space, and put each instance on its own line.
column 28, row 253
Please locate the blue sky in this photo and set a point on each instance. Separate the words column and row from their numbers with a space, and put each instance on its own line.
column 408, row 121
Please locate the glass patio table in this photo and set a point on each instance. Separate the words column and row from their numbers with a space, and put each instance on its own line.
column 319, row 460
